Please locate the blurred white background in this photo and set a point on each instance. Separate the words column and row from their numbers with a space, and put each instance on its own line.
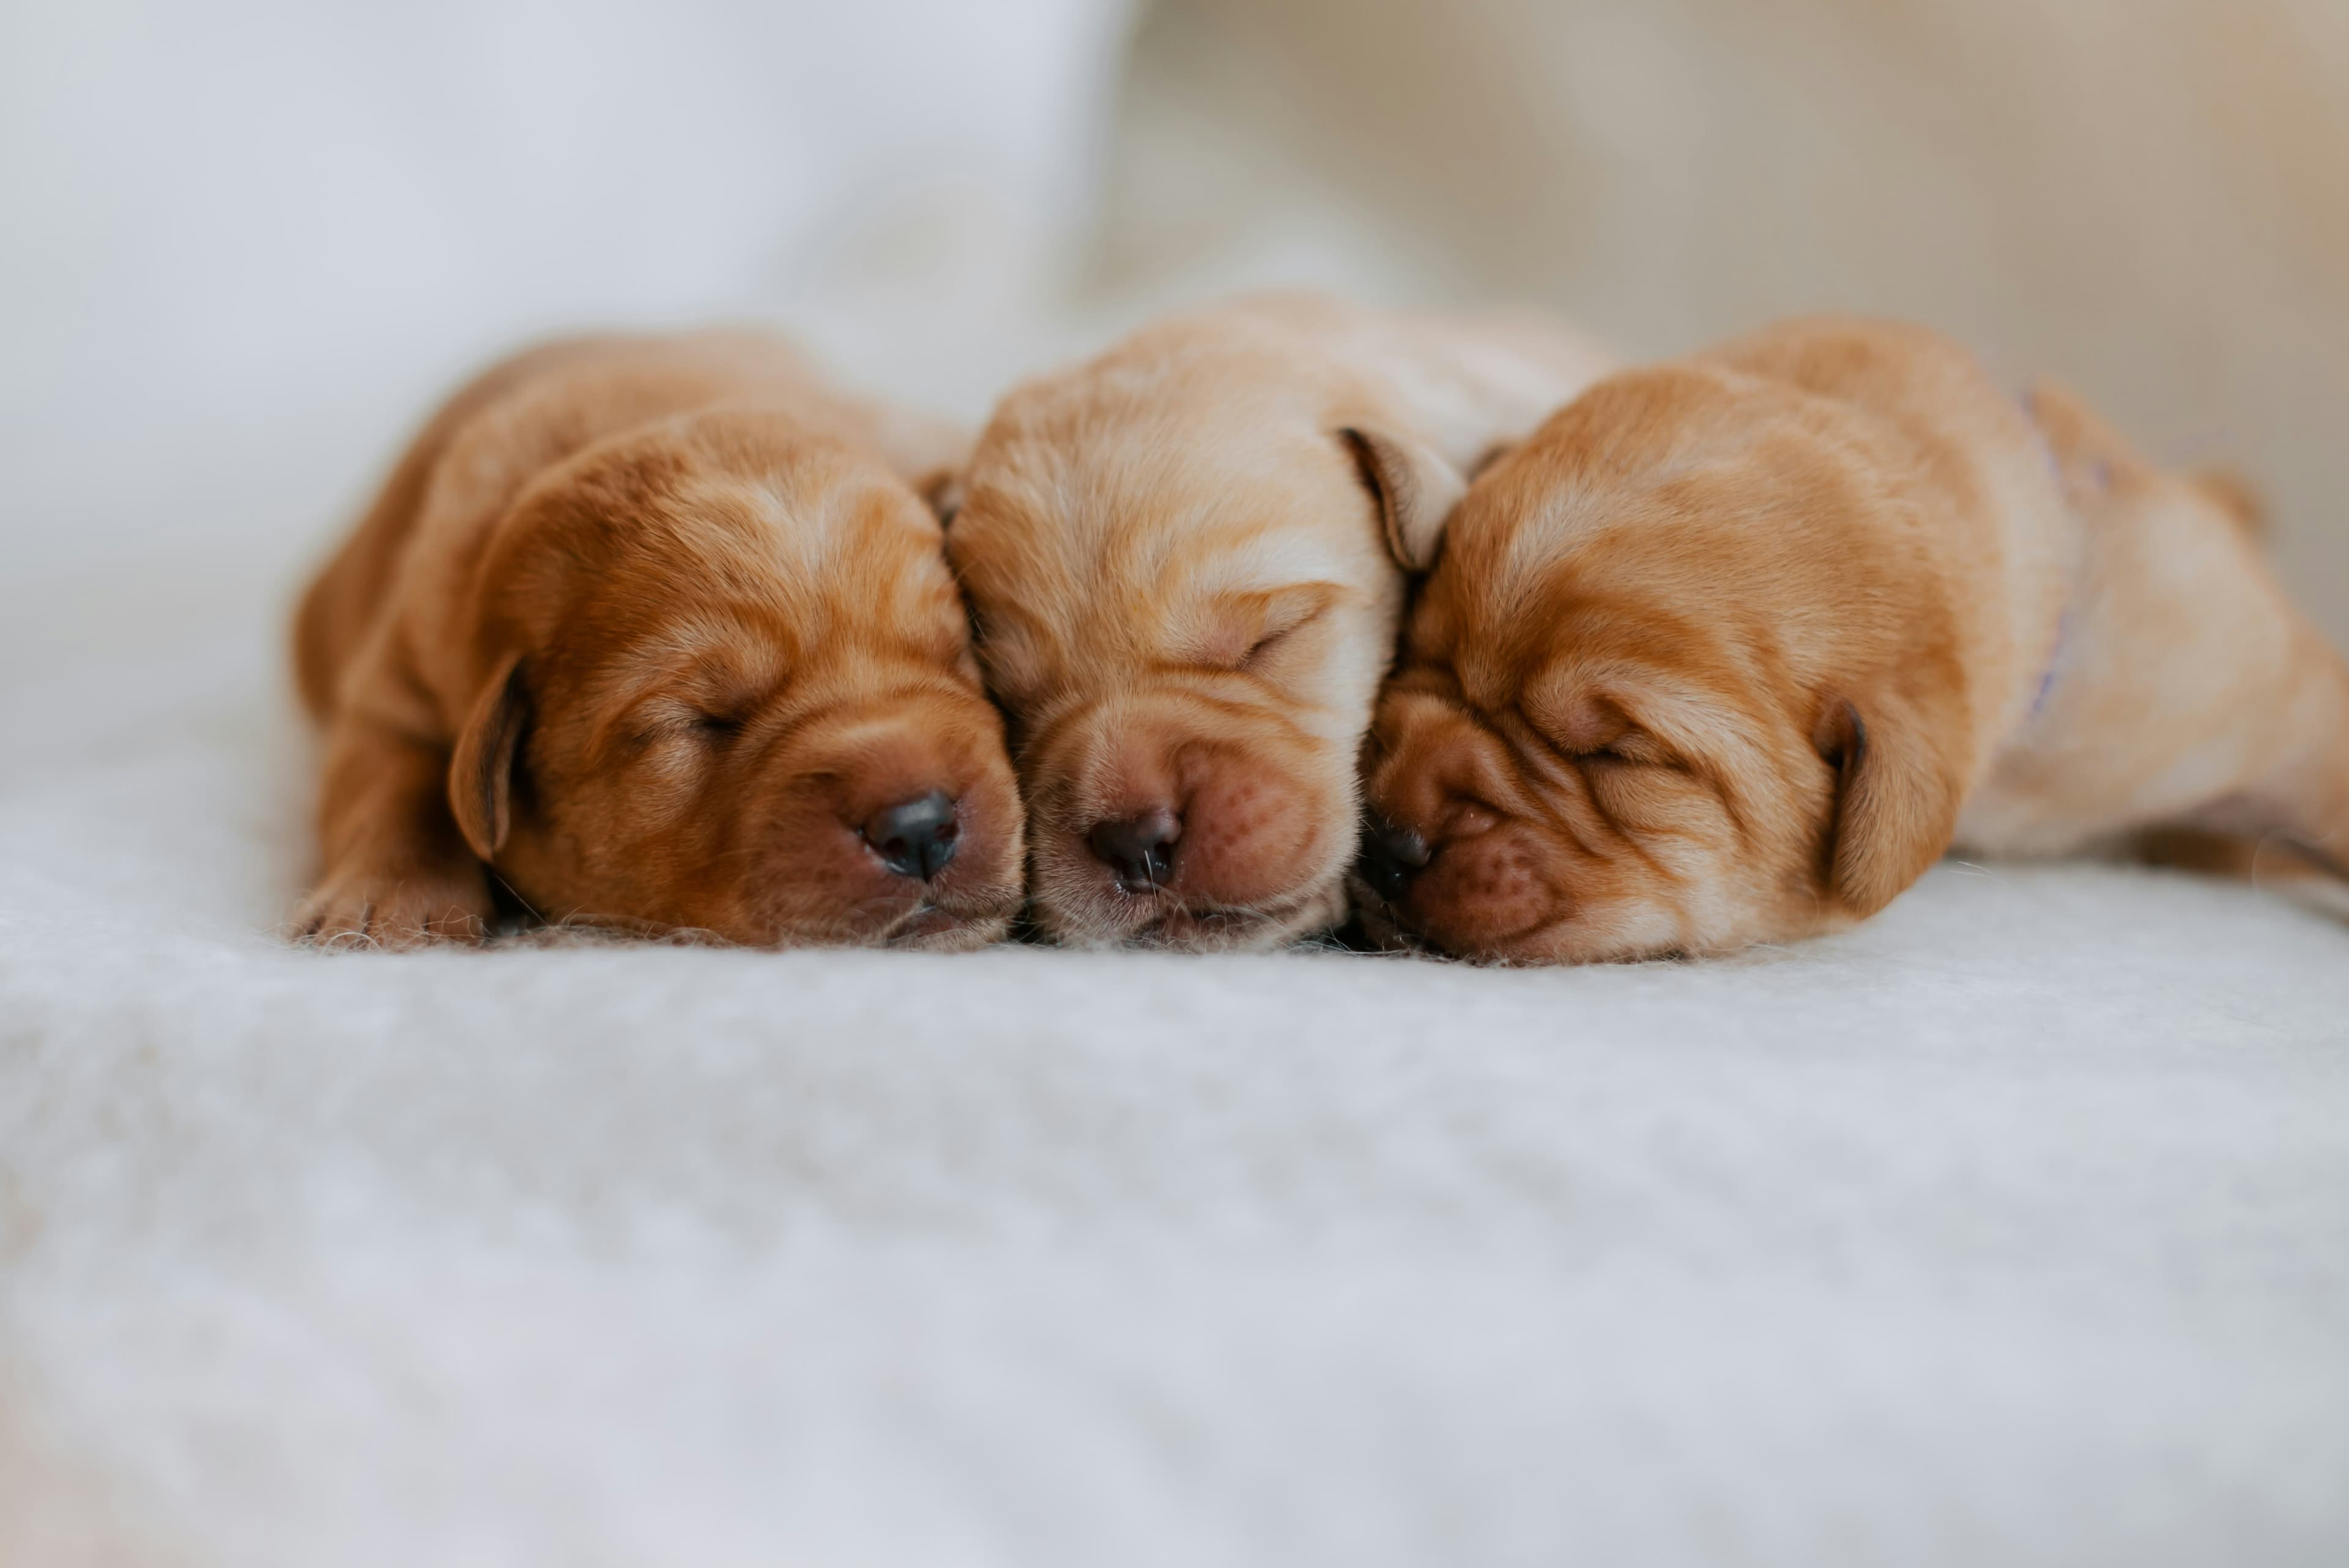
column 246, row 242
column 2007, row 1229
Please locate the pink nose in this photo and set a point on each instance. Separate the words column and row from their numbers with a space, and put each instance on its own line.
column 1140, row 850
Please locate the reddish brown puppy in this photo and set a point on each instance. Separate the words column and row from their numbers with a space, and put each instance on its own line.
column 657, row 632
column 1181, row 560
column 1733, row 649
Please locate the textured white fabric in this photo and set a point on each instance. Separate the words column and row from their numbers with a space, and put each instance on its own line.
column 2012, row 1228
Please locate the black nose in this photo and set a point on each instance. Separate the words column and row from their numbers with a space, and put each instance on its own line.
column 1392, row 856
column 1140, row 850
column 915, row 838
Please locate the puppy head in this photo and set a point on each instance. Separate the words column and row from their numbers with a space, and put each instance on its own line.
column 1184, row 604
column 1681, row 681
column 726, row 685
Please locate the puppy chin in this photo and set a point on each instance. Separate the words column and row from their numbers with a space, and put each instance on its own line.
column 1088, row 915
column 1579, row 941
column 1489, row 908
column 848, row 901
column 933, row 928
column 1383, row 925
column 1577, row 936
column 910, row 923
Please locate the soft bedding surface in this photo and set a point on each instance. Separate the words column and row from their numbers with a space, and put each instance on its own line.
column 2011, row 1228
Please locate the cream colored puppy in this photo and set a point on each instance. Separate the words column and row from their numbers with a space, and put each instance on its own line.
column 1181, row 559
column 1734, row 647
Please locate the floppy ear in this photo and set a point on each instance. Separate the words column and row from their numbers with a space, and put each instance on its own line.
column 2236, row 496
column 943, row 490
column 1416, row 490
column 2092, row 459
column 1489, row 455
column 480, row 774
column 1898, row 784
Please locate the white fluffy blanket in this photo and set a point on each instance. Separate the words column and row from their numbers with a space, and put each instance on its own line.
column 2014, row 1228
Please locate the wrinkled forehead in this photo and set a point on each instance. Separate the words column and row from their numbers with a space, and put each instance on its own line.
column 1670, row 479
column 1569, row 584
column 786, row 557
column 714, row 652
column 1160, row 513
column 1686, row 593
column 1513, row 554
column 816, row 541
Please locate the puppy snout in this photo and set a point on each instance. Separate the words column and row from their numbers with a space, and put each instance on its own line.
column 915, row 838
column 1140, row 850
column 1391, row 857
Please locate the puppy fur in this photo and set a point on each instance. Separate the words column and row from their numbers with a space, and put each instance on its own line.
column 1182, row 560
column 656, row 631
column 1733, row 648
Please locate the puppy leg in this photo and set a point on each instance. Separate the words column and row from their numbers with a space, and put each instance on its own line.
column 2208, row 701
column 2298, row 797
column 399, row 872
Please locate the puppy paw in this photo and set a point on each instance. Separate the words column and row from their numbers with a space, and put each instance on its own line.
column 358, row 908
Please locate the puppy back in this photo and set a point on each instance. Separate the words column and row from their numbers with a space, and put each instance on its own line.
column 344, row 602
column 423, row 537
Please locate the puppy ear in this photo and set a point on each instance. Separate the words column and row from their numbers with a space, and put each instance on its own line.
column 2092, row 459
column 2236, row 496
column 1898, row 792
column 1489, row 455
column 1415, row 488
column 942, row 489
column 480, row 774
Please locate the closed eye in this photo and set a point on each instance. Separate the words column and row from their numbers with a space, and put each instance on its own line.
column 685, row 707
column 1270, row 621
column 1581, row 756
column 670, row 720
column 717, row 725
column 1590, row 728
column 1271, row 644
column 1635, row 749
column 1589, row 744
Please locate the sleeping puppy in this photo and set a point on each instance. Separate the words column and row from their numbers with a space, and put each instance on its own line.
column 657, row 633
column 1179, row 564
column 1733, row 649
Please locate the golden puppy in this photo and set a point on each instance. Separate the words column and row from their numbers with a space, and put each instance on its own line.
column 1733, row 648
column 1179, row 561
column 656, row 631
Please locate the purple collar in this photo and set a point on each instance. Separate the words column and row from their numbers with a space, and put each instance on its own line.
column 2100, row 475
column 2054, row 661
